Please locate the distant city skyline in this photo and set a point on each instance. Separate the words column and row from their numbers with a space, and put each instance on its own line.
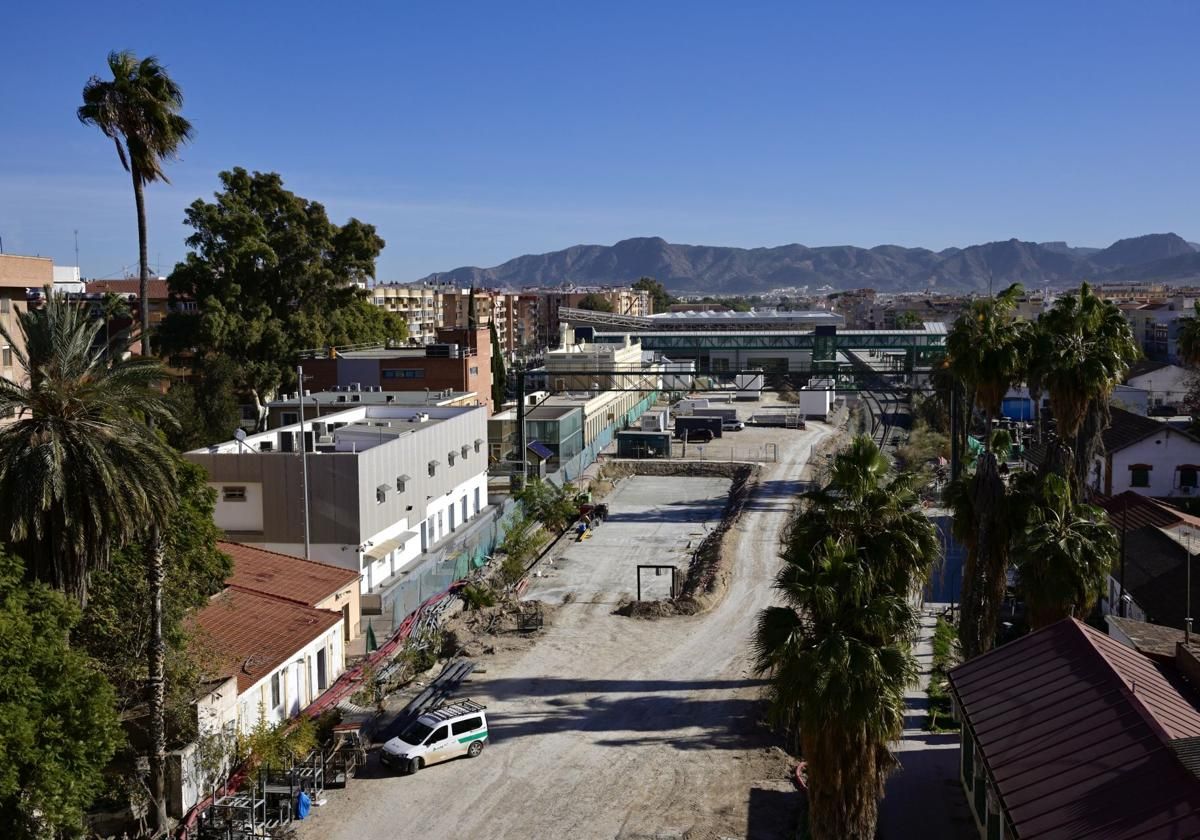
column 474, row 134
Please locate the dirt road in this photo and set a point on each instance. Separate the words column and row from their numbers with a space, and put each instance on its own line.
column 611, row 727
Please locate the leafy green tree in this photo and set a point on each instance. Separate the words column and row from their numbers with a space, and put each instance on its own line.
column 197, row 570
column 660, row 298
column 81, row 474
column 58, row 726
column 271, row 276
column 553, row 506
column 521, row 543
column 988, row 351
column 838, row 652
column 1063, row 555
column 138, row 109
column 499, row 375
column 207, row 408
column 596, row 303
column 1189, row 337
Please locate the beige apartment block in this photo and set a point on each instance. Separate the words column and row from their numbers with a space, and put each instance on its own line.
column 16, row 275
column 420, row 306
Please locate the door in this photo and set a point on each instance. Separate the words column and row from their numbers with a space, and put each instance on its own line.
column 321, row 684
column 437, row 745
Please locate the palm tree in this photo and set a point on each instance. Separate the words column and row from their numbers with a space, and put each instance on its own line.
column 1189, row 337
column 1085, row 349
column 1063, row 555
column 838, row 651
column 988, row 350
column 139, row 110
column 81, row 473
column 112, row 307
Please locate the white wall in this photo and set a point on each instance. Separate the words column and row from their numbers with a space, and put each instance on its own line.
column 239, row 516
column 1167, row 385
column 298, row 681
column 814, row 403
column 1163, row 452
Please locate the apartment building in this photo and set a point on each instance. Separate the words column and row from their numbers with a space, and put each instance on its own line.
column 16, row 275
column 460, row 361
column 420, row 306
column 384, row 484
column 130, row 289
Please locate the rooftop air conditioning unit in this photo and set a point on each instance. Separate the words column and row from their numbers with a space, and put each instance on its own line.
column 355, row 386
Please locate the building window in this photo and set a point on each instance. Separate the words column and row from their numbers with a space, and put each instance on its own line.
column 474, row 371
column 477, row 500
column 5, row 353
column 1139, row 475
column 5, row 305
column 276, row 694
column 450, row 456
column 381, row 494
column 478, row 444
column 404, row 373
column 465, row 449
column 233, row 494
column 1187, row 476
column 432, row 468
column 288, row 418
column 464, row 508
column 401, row 480
column 322, row 677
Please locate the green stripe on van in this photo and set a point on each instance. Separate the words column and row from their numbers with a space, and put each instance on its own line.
column 474, row 737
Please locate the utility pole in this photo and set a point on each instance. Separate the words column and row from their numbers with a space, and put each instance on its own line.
column 303, row 455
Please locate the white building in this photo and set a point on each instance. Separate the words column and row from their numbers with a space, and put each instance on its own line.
column 1166, row 385
column 1148, row 457
column 384, row 484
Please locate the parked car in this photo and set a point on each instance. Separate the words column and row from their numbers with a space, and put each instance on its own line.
column 439, row 735
column 694, row 435
column 732, row 425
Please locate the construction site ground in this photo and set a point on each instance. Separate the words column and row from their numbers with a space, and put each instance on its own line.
column 604, row 726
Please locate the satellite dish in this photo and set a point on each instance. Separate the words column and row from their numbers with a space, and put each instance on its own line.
column 240, row 435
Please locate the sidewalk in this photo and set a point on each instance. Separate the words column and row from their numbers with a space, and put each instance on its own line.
column 924, row 798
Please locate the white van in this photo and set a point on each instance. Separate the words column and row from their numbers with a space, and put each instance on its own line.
column 438, row 735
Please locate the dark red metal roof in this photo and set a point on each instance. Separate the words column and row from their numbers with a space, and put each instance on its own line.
column 1130, row 510
column 1075, row 729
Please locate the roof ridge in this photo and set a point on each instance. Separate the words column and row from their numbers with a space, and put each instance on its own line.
column 1091, row 635
column 289, row 557
column 280, row 598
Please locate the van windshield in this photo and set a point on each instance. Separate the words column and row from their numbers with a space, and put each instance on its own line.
column 416, row 733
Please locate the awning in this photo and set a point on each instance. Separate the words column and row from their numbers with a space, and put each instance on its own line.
column 380, row 550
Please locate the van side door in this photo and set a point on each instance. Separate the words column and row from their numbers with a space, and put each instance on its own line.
column 467, row 730
column 437, row 745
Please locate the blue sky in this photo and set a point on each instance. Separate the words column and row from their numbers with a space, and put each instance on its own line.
column 469, row 133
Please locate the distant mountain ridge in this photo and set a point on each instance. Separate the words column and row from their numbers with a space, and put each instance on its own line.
column 725, row 270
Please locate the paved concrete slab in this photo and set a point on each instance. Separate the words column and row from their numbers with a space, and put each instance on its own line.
column 656, row 520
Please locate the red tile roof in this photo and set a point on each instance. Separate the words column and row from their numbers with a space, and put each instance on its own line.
column 1076, row 730
column 157, row 288
column 283, row 576
column 248, row 635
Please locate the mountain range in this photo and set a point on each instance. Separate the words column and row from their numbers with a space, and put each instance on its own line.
column 891, row 268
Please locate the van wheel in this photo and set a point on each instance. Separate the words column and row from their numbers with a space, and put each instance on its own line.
column 415, row 765
column 475, row 749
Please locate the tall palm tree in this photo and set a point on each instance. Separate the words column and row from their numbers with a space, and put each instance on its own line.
column 113, row 306
column 1189, row 337
column 1085, row 349
column 80, row 471
column 988, row 350
column 139, row 110
column 1063, row 554
column 838, row 651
